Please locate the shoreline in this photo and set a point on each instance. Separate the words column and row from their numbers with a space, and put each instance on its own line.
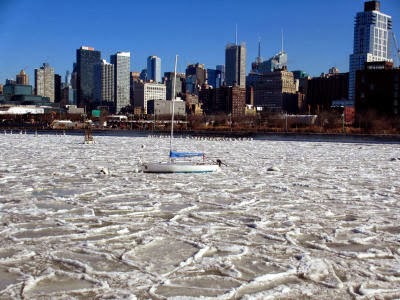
column 259, row 135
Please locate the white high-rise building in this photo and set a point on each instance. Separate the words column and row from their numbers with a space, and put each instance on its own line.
column 145, row 91
column 122, row 64
column 44, row 81
column 372, row 32
column 104, row 83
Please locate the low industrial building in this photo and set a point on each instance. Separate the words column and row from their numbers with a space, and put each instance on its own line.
column 378, row 89
column 164, row 107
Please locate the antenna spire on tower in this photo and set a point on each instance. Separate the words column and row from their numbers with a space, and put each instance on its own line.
column 236, row 36
column 282, row 40
column 259, row 59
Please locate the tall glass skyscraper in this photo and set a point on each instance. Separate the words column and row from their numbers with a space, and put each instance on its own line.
column 221, row 68
column 154, row 68
column 214, row 78
column 122, row 65
column 235, row 65
column 372, row 32
column 86, row 60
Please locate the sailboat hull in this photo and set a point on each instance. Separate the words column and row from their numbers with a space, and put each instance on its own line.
column 180, row 167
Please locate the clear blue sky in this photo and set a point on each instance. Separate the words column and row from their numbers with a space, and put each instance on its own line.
column 318, row 34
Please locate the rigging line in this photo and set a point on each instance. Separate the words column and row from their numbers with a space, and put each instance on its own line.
column 173, row 104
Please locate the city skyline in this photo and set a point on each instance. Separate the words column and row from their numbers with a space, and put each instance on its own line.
column 317, row 36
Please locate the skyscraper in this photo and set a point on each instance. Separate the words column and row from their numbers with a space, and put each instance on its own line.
column 122, row 65
column 86, row 59
column 169, row 78
column 67, row 78
column 221, row 68
column 154, row 68
column 261, row 66
column 276, row 91
column 278, row 61
column 372, row 31
column 214, row 78
column 22, row 78
column 196, row 76
column 104, row 84
column 235, row 65
column 143, row 75
column 44, row 81
column 256, row 64
column 133, row 77
column 57, row 88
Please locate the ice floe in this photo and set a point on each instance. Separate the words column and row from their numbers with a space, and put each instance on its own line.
column 285, row 219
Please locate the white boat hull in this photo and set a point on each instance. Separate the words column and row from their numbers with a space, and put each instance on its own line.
column 179, row 167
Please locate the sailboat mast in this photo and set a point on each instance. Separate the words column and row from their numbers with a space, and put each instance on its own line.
column 173, row 105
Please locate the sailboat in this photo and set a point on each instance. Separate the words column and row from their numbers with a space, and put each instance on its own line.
column 178, row 161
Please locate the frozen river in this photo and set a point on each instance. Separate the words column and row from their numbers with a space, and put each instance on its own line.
column 323, row 224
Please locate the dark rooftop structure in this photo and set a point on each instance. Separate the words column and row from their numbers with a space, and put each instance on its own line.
column 372, row 5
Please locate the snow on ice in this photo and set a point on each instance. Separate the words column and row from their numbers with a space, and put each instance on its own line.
column 284, row 219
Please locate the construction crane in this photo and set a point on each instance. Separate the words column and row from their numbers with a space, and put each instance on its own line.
column 396, row 55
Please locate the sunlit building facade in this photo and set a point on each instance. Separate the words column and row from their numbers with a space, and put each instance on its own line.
column 104, row 82
column 122, row 63
column 235, row 65
column 145, row 91
column 44, row 82
column 278, row 61
column 22, row 78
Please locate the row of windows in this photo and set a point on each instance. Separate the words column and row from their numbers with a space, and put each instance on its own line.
column 380, row 54
column 379, row 39
column 371, row 18
column 382, row 21
column 379, row 44
column 380, row 33
column 155, row 89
